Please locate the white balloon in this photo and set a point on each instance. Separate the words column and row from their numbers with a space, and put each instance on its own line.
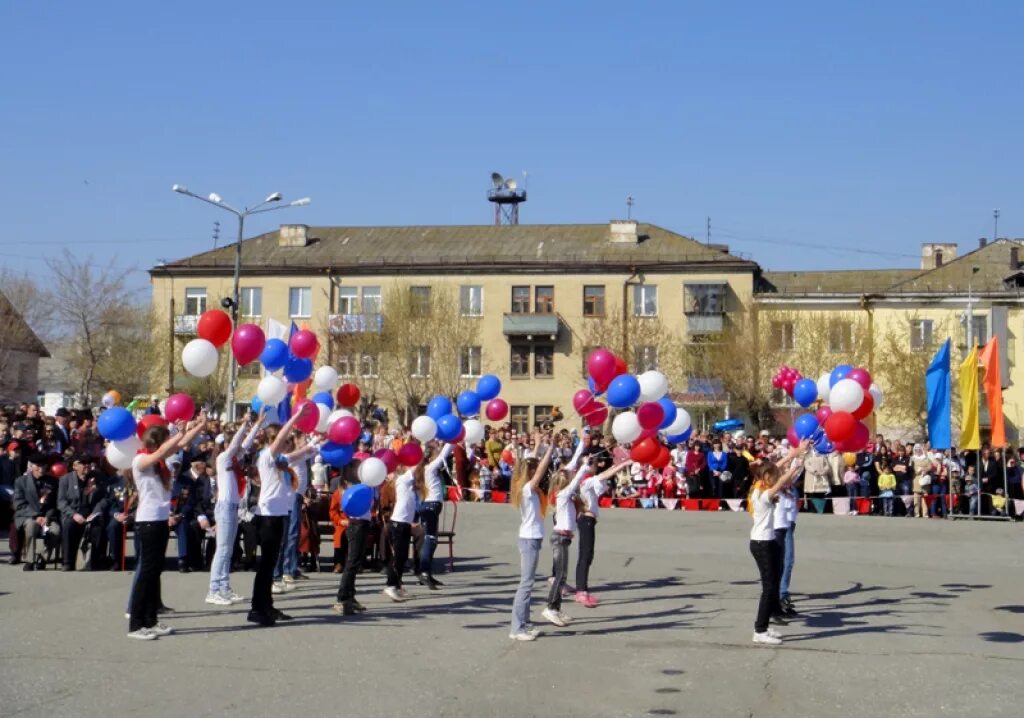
column 372, row 472
column 199, row 357
column 337, row 414
column 474, row 431
column 120, row 454
column 324, row 421
column 846, row 395
column 653, row 385
column 876, row 394
column 823, row 387
column 680, row 425
column 325, row 378
column 626, row 427
column 271, row 390
column 424, row 428
column 108, row 400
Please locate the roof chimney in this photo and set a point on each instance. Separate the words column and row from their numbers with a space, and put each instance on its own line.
column 982, row 241
column 934, row 255
column 1014, row 258
column 938, row 258
column 624, row 231
column 293, row 235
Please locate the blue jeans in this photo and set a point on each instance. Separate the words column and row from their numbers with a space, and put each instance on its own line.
column 226, row 516
column 788, row 556
column 939, row 505
column 288, row 557
column 887, row 505
column 853, row 491
column 973, row 505
column 529, row 553
column 430, row 514
column 906, row 487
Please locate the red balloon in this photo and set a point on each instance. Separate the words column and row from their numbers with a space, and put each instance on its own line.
column 866, row 406
column 410, row 454
column 247, row 343
column 822, row 414
column 389, row 458
column 661, row 460
column 311, row 417
column 789, row 384
column 650, row 415
column 344, row 431
column 620, row 367
column 58, row 470
column 214, row 326
column 644, row 433
column 644, row 451
column 460, row 437
column 597, row 414
column 497, row 409
column 777, row 381
column 304, row 344
column 860, row 376
column 792, row 437
column 857, row 441
column 581, row 399
column 840, row 426
column 348, row 395
column 147, row 421
column 508, row 457
column 601, row 366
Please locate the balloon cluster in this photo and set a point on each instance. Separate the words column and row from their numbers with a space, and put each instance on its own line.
column 111, row 399
column 460, row 422
column 847, row 396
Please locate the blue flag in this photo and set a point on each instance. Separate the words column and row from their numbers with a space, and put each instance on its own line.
column 937, row 384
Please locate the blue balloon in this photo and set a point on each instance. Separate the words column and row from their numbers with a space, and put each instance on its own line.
column 256, row 404
column 680, row 438
column 805, row 425
column 296, row 369
column 439, row 406
column 449, row 427
column 324, row 397
column 357, row 500
column 274, row 355
column 593, row 387
column 670, row 412
column 824, row 446
column 468, row 403
column 116, row 424
column 488, row 387
column 838, row 374
column 805, row 392
column 727, row 425
column 623, row 391
column 337, row 455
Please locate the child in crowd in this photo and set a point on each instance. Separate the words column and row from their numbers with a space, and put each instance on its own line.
column 886, row 487
column 971, row 489
column 340, row 521
column 999, row 503
column 851, row 479
column 485, row 479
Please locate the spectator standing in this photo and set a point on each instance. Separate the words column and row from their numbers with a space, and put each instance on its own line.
column 886, row 487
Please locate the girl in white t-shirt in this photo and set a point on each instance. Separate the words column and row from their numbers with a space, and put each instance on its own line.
column 529, row 496
column 409, row 485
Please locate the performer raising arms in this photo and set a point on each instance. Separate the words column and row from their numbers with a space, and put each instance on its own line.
column 529, row 495
column 430, row 513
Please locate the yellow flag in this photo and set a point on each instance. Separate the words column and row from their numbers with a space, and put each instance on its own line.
column 970, row 434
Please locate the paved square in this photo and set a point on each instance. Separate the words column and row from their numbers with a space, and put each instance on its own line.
column 899, row 618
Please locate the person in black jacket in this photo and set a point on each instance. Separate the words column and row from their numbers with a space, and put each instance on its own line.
column 12, row 465
column 82, row 500
column 35, row 510
column 186, row 497
column 121, row 499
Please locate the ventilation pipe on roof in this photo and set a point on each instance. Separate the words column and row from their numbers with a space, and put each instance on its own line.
column 1014, row 258
column 982, row 241
column 623, row 231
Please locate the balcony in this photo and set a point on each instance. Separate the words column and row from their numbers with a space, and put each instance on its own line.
column 704, row 323
column 355, row 323
column 531, row 326
column 185, row 325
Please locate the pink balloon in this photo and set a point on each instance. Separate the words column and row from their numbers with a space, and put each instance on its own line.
column 822, row 414
column 247, row 343
column 792, row 437
column 389, row 458
column 497, row 409
column 777, row 381
column 179, row 407
column 304, row 344
column 650, row 415
column 410, row 454
column 601, row 365
column 860, row 376
column 580, row 399
column 344, row 431
column 311, row 417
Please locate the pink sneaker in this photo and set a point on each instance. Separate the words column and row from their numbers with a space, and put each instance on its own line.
column 580, row 597
column 591, row 601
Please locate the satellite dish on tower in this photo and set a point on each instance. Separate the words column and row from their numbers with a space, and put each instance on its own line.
column 497, row 180
column 506, row 197
column 510, row 184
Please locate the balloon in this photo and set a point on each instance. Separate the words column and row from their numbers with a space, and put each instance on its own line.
column 448, row 427
column 357, row 499
column 670, row 412
column 474, row 431
column 58, row 470
column 410, row 454
column 849, row 458
column 307, row 423
column 653, row 385
column 255, row 404
column 680, row 425
column 337, row 455
column 214, row 326
column 497, row 409
column 601, row 365
column 662, row 459
column 348, row 395
column 508, row 457
column 840, row 426
column 179, row 407
column 247, row 343
column 824, row 446
column 304, row 344
column 866, row 407
column 680, row 438
column 623, row 391
column 581, row 399
column 597, row 414
column 846, row 395
column 388, row 457
column 110, row 399
column 325, row 398
column 876, row 394
column 650, row 415
column 323, row 421
column 424, row 428
column 298, row 369
column 120, row 454
column 777, row 381
column 274, row 354
column 860, row 438
column 620, row 367
column 805, row 425
column 824, row 386
column 792, row 437
column 805, row 392
column 626, row 427
column 596, row 388
column 271, row 390
column 345, row 430
column 488, row 387
column 439, row 406
column 337, row 414
column 199, row 357
column 325, row 379
column 644, row 451
column 468, row 403
column 822, row 414
column 728, row 425
column 147, row 421
column 838, row 374
column 860, row 376
column 116, row 424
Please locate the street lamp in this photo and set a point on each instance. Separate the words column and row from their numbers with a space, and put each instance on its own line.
column 215, row 199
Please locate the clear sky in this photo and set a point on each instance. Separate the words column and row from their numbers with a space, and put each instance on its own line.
column 814, row 136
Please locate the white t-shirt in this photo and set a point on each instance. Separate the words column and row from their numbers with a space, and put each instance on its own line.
column 154, row 499
column 565, row 508
column 227, row 482
column 302, row 471
column 764, row 510
column 276, row 495
column 780, row 514
column 532, row 525
column 435, row 484
column 405, row 498
column 590, row 492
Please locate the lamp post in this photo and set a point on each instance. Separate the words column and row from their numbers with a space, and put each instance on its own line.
column 215, row 199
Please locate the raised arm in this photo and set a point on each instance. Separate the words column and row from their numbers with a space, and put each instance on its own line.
column 434, row 465
column 174, row 443
column 571, row 466
column 542, row 467
column 793, row 471
column 286, row 430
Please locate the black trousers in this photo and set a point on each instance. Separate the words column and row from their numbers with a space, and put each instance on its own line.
column 560, row 546
column 270, row 530
column 585, row 554
column 72, row 534
column 399, row 533
column 768, row 557
column 357, row 532
column 153, row 537
column 250, row 533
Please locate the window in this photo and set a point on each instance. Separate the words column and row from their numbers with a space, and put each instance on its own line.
column 593, row 300
column 469, row 361
column 371, row 300
column 346, row 365
column 704, row 299
column 781, row 398
column 368, row 365
column 520, row 300
column 840, row 337
column 645, row 300
column 519, row 418
column 250, row 370
column 920, row 334
column 545, row 299
column 251, row 301
column 782, row 337
column 542, row 413
column 520, row 362
column 300, row 299
column 419, row 361
column 645, row 358
column 420, row 297
column 348, row 300
column 195, row 301
column 979, row 329
column 544, row 360
column 471, row 300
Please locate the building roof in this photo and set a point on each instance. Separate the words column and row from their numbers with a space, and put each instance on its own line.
column 825, row 282
column 481, row 248
column 17, row 334
column 993, row 264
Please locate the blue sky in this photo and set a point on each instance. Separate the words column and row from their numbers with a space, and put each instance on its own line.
column 873, row 127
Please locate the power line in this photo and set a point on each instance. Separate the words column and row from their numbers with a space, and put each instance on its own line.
column 731, row 234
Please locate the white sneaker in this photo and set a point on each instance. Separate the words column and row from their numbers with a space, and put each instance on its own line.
column 774, row 634
column 392, row 593
column 218, row 599
column 128, row 615
column 523, row 636
column 233, row 597
column 277, row 587
column 531, row 630
column 404, row 594
column 143, row 634
column 288, row 580
column 767, row 639
column 553, row 616
column 162, row 629
column 566, row 618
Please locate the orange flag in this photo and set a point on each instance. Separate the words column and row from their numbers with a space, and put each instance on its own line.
column 993, row 386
